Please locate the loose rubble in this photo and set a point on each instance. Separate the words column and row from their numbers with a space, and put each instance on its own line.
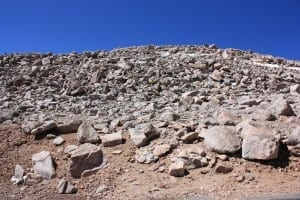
column 180, row 109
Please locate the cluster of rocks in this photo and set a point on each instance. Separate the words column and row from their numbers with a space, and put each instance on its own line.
column 192, row 105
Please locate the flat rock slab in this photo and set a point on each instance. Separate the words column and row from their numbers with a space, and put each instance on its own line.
column 112, row 139
column 86, row 157
column 222, row 139
column 43, row 165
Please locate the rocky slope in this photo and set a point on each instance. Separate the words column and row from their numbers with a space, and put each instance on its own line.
column 178, row 110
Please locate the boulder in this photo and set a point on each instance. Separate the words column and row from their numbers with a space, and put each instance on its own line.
column 87, row 134
column 141, row 134
column 281, row 107
column 222, row 139
column 58, row 141
column 43, row 165
column 86, row 157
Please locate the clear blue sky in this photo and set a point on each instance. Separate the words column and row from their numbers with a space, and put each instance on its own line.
column 265, row 26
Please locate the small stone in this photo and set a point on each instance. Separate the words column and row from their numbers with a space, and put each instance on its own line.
column 43, row 165
column 224, row 169
column 223, row 157
column 18, row 177
column 101, row 189
column 240, row 178
column 177, row 169
column 58, row 141
column 167, row 116
column 112, row 139
column 117, row 152
column 50, row 136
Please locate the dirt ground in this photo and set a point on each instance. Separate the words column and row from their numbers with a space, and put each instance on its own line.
column 121, row 178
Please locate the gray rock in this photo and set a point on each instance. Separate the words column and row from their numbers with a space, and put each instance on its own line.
column 177, row 169
column 69, row 127
column 112, row 139
column 65, row 187
column 246, row 100
column 145, row 157
column 58, row 141
column 141, row 134
column 28, row 126
column 295, row 89
column 281, row 107
column 87, row 134
column 260, row 147
column 44, row 128
column 87, row 156
column 161, row 150
column 18, row 177
column 227, row 118
column 43, row 165
column 294, row 137
column 222, row 139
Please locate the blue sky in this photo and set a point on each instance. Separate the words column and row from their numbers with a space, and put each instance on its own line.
column 265, row 26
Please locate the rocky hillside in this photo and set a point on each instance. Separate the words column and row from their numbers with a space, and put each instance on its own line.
column 177, row 108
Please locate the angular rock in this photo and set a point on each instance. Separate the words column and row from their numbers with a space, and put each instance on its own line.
column 260, row 147
column 167, row 116
column 294, row 137
column 177, row 169
column 69, row 127
column 112, row 139
column 43, row 165
column 87, row 134
column 145, row 157
column 86, row 157
column 189, row 137
column 32, row 179
column 161, row 150
column 281, row 107
column 222, row 139
column 65, row 187
column 44, row 128
column 141, row 134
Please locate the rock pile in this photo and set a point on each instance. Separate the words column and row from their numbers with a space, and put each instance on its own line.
column 191, row 105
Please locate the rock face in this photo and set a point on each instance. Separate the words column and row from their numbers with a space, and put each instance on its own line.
column 86, row 157
column 222, row 139
column 86, row 133
column 143, row 133
column 43, row 165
